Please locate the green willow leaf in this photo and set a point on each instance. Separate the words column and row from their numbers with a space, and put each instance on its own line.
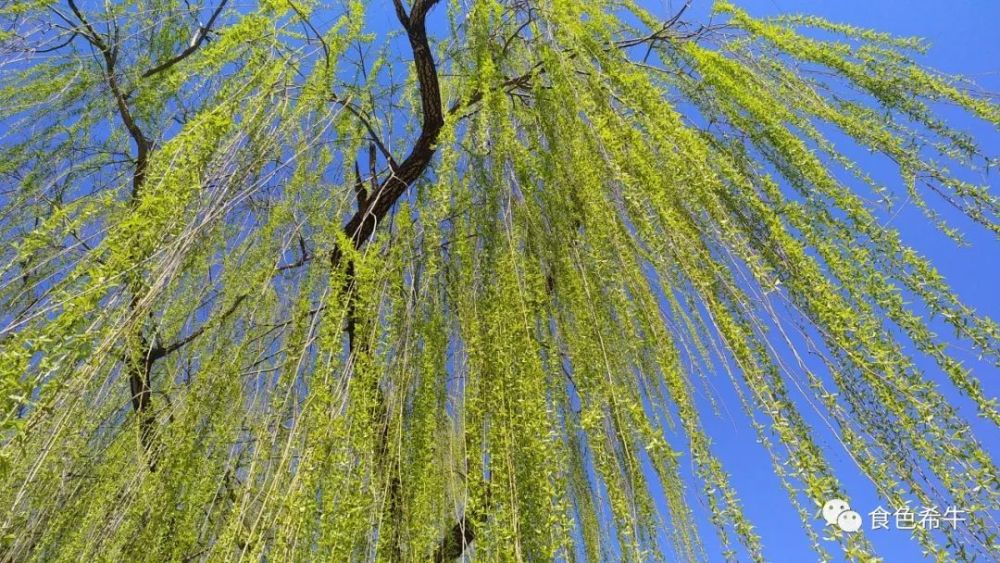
column 280, row 283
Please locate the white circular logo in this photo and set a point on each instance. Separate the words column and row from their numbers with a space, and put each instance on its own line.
column 833, row 508
column 849, row 521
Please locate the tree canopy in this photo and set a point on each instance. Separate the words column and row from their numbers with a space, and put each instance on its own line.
column 276, row 284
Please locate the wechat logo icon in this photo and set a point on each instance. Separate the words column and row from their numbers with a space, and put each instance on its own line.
column 838, row 513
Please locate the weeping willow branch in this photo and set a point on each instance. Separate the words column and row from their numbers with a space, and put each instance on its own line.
column 633, row 226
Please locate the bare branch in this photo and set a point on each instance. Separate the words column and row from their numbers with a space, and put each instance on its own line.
column 109, row 53
column 161, row 351
column 196, row 41
column 455, row 541
column 361, row 226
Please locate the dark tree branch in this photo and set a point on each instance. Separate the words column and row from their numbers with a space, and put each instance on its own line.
column 319, row 36
column 196, row 41
column 359, row 186
column 372, row 208
column 138, row 371
column 110, row 56
column 455, row 541
column 362, row 224
column 372, row 174
column 91, row 34
column 158, row 352
column 368, row 127
column 72, row 36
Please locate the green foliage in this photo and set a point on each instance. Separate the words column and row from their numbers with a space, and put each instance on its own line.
column 533, row 335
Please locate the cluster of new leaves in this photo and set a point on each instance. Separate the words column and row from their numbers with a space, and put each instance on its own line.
column 270, row 290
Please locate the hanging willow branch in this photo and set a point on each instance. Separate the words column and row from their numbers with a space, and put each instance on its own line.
column 291, row 286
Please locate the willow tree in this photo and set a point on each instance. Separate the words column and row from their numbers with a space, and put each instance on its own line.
column 279, row 284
